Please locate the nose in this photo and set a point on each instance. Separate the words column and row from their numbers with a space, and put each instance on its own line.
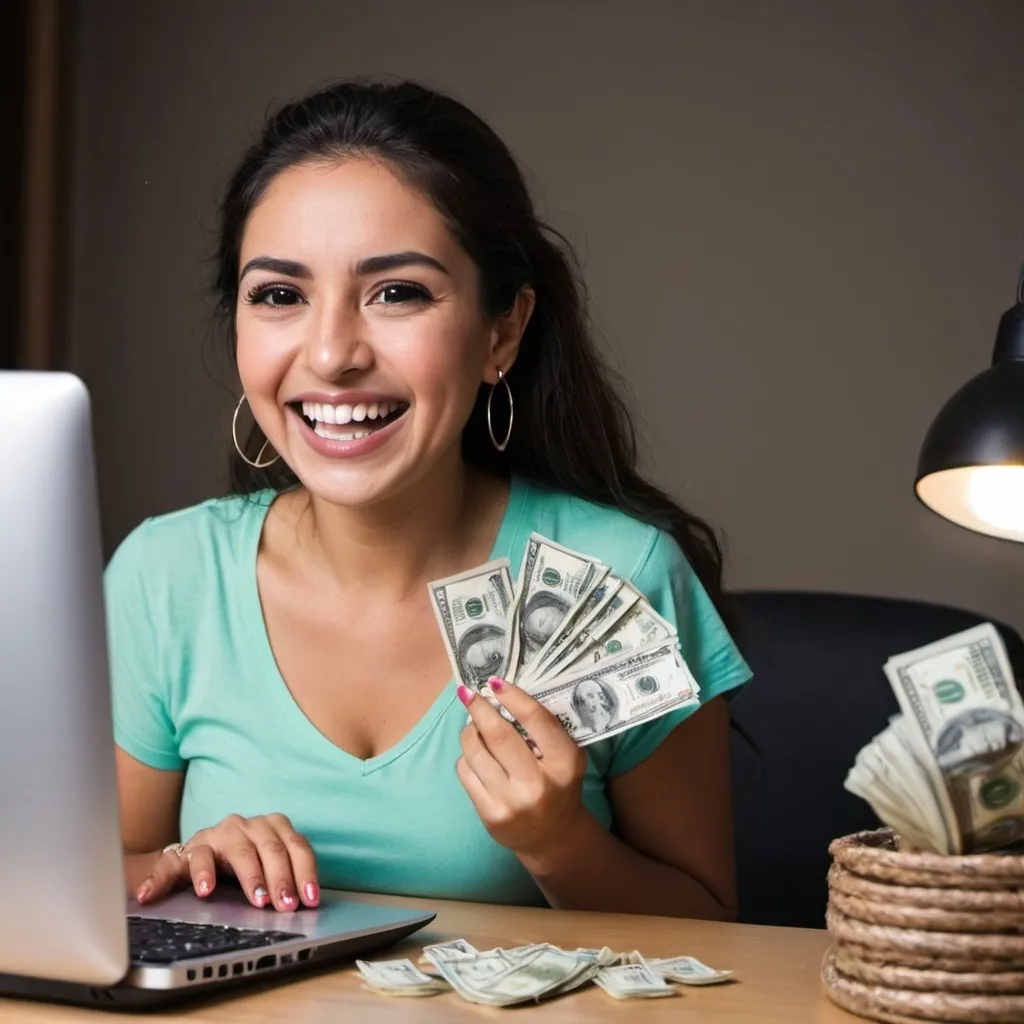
column 337, row 345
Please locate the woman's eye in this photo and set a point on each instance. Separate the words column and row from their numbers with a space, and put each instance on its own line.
column 393, row 294
column 274, row 297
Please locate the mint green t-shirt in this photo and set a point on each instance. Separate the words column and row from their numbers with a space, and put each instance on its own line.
column 196, row 687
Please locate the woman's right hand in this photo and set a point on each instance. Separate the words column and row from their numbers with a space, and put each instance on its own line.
column 273, row 863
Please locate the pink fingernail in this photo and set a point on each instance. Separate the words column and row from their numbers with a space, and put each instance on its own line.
column 465, row 694
column 287, row 898
column 204, row 887
column 312, row 891
column 496, row 683
column 144, row 891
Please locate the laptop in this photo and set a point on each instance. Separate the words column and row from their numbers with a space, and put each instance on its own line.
column 71, row 932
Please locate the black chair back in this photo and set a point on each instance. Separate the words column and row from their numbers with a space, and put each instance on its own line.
column 819, row 694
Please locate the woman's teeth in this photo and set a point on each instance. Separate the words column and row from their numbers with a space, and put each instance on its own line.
column 327, row 419
column 347, row 413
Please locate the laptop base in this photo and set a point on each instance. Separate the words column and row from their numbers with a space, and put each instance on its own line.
column 132, row 998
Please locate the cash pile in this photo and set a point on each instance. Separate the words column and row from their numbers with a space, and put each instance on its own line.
column 948, row 773
column 504, row 977
column 581, row 640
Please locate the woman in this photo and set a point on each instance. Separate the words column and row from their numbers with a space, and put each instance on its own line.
column 282, row 696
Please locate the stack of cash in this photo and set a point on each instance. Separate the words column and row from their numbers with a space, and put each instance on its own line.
column 505, row 977
column 581, row 640
column 948, row 773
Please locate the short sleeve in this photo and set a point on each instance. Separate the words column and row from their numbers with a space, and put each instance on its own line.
column 139, row 691
column 666, row 578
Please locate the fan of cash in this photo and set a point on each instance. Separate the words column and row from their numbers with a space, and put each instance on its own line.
column 504, row 977
column 582, row 641
column 948, row 773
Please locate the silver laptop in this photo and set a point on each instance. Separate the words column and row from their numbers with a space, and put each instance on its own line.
column 70, row 931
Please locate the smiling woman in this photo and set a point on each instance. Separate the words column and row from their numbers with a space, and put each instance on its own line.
column 282, row 698
column 382, row 295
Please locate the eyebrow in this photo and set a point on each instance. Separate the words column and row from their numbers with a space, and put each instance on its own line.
column 289, row 268
column 370, row 265
column 391, row 261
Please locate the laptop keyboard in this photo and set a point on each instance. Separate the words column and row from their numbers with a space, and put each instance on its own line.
column 160, row 941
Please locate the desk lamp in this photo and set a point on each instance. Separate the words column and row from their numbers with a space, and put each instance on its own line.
column 971, row 467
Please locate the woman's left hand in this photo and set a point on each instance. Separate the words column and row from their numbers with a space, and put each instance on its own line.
column 528, row 800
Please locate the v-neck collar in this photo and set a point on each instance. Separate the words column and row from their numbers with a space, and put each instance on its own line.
column 277, row 689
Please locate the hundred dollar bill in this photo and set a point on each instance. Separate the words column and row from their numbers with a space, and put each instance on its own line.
column 619, row 693
column 553, row 584
column 688, row 970
column 578, row 966
column 641, row 626
column 633, row 981
column 456, row 949
column 504, row 977
column 891, row 773
column 474, row 611
column 570, row 655
column 962, row 705
column 399, row 978
column 600, row 599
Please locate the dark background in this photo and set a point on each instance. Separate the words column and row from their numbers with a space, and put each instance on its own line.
column 800, row 222
column 12, row 123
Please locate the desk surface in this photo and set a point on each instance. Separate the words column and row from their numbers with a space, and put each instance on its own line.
column 776, row 970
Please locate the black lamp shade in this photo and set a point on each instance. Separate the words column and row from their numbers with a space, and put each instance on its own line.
column 971, row 467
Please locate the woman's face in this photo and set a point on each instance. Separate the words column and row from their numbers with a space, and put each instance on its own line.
column 362, row 341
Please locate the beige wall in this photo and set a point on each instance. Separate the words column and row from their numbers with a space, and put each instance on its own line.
column 800, row 220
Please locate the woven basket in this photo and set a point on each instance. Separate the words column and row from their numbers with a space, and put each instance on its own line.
column 890, row 975
column 879, row 1002
column 924, row 937
column 874, row 855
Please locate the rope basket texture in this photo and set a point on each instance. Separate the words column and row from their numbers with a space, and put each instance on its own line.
column 924, row 937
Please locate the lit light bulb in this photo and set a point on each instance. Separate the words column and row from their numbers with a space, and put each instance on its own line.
column 995, row 494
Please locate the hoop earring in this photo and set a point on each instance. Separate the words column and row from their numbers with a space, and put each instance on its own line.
column 238, row 448
column 511, row 411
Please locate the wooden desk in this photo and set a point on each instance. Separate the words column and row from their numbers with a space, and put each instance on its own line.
column 777, row 976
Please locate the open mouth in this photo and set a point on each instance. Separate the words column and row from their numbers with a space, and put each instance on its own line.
column 348, row 422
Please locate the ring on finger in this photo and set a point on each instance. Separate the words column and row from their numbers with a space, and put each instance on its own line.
column 179, row 850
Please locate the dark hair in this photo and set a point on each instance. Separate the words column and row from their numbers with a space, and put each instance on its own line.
column 572, row 428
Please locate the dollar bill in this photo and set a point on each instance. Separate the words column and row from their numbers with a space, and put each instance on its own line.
column 554, row 582
column 896, row 786
column 966, row 719
column 641, row 626
column 601, row 597
column 688, row 970
column 605, row 956
column 455, row 949
column 398, row 978
column 474, row 610
column 893, row 775
column 502, row 977
column 568, row 655
column 633, row 981
column 618, row 694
